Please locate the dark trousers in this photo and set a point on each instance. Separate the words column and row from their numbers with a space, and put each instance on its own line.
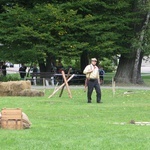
column 93, row 83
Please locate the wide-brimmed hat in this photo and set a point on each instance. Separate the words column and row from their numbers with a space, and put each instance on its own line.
column 93, row 59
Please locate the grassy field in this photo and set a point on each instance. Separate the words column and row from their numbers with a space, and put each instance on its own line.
column 73, row 124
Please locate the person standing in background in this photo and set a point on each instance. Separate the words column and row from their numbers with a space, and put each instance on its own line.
column 92, row 76
column 35, row 69
column 4, row 66
column 22, row 71
column 101, row 73
column 34, row 75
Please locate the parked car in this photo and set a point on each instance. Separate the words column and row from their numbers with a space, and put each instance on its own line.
column 9, row 64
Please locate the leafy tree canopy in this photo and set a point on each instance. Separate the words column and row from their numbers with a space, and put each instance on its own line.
column 66, row 28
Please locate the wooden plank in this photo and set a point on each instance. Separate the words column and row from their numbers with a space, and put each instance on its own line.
column 7, row 117
column 66, row 83
column 61, row 86
column 11, row 118
column 11, row 111
column 11, row 124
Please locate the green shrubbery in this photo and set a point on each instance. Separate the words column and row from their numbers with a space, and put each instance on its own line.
column 9, row 77
column 107, row 65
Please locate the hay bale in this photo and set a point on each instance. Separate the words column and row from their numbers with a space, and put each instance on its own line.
column 4, row 86
column 15, row 85
column 5, row 93
column 31, row 92
column 9, row 93
column 26, row 121
column 13, row 88
column 0, row 119
column 18, row 86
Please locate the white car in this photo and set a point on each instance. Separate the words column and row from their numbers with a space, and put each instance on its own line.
column 9, row 64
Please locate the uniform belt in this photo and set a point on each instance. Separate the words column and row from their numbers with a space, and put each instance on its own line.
column 92, row 79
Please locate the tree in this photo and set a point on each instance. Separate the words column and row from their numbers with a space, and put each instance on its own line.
column 129, row 69
column 74, row 28
column 44, row 32
column 75, row 32
column 105, row 27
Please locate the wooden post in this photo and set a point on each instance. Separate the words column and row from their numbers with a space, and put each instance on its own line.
column 61, row 86
column 64, row 85
column 44, row 84
column 56, row 86
column 43, row 81
column 113, row 86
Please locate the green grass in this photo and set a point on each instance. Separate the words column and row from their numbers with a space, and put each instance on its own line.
column 73, row 124
column 146, row 78
column 108, row 79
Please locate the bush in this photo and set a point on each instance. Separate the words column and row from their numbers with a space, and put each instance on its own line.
column 9, row 77
column 107, row 65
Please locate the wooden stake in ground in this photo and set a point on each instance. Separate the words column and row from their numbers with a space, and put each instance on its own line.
column 113, row 87
column 44, row 84
column 64, row 85
column 61, row 86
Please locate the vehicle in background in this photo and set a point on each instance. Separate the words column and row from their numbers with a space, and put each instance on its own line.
column 9, row 64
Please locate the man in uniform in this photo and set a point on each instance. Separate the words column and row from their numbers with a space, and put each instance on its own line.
column 93, row 81
column 22, row 71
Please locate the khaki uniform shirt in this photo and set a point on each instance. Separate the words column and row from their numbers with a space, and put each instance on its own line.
column 92, row 75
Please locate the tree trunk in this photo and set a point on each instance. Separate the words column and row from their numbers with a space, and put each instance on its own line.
column 139, row 55
column 136, row 73
column 129, row 69
column 124, row 70
column 42, row 67
column 139, row 79
column 84, row 61
column 48, row 65
column 50, row 62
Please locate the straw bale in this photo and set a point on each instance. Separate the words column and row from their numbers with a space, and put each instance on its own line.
column 15, row 85
column 0, row 119
column 26, row 121
column 20, row 85
column 18, row 88
column 9, row 93
column 31, row 92
column 12, row 88
column 6, row 93
column 4, row 86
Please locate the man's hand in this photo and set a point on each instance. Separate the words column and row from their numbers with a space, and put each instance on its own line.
column 90, row 71
column 99, row 81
